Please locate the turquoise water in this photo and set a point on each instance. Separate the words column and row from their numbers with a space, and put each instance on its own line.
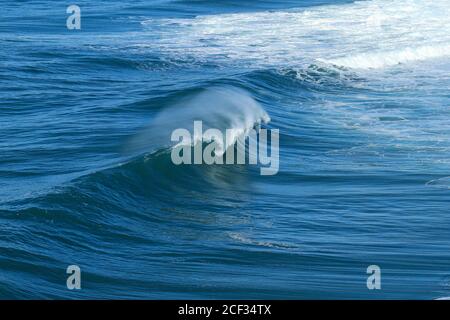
column 358, row 90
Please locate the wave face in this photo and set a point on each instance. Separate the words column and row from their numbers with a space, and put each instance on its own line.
column 358, row 90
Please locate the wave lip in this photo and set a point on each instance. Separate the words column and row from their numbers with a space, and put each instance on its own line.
column 381, row 59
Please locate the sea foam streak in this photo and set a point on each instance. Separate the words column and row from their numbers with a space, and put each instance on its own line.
column 380, row 33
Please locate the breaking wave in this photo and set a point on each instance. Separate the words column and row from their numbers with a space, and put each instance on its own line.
column 221, row 107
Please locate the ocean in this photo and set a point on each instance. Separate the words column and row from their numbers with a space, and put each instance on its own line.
column 360, row 94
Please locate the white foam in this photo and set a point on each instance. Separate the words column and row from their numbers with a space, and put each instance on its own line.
column 366, row 34
column 383, row 59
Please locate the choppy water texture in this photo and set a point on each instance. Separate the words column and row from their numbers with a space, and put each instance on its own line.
column 358, row 90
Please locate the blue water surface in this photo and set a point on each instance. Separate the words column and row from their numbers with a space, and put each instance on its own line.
column 358, row 90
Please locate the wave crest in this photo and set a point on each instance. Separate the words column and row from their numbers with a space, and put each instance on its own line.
column 220, row 107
